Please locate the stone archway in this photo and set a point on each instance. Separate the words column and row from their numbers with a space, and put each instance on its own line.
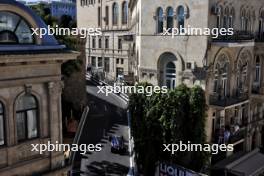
column 168, row 70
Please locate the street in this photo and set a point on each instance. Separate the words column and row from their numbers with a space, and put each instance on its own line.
column 107, row 116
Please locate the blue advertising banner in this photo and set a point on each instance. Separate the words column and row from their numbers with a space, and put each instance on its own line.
column 167, row 169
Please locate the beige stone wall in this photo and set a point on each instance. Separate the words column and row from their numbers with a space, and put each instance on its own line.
column 88, row 17
column 202, row 51
column 43, row 80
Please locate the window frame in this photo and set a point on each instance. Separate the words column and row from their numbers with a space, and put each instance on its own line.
column 180, row 16
column 115, row 14
column 124, row 13
column 159, row 20
column 170, row 18
column 24, row 112
column 19, row 22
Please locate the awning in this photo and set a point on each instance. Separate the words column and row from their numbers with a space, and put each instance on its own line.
column 250, row 164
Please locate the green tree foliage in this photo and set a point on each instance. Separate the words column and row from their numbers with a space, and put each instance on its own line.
column 168, row 118
column 44, row 12
column 198, row 120
column 74, row 93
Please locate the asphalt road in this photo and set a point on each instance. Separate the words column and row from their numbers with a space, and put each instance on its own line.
column 107, row 116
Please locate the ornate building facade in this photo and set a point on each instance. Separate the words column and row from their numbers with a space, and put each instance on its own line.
column 30, row 92
column 107, row 54
column 229, row 68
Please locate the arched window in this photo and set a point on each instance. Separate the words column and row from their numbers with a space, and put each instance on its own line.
column 170, row 75
column 124, row 13
column 2, row 125
column 115, row 13
column 181, row 16
column 170, row 18
column 243, row 20
column 26, row 117
column 218, row 17
column 106, row 15
column 221, row 75
column 242, row 74
column 225, row 20
column 159, row 20
column 14, row 29
column 248, row 22
column 231, row 18
column 261, row 26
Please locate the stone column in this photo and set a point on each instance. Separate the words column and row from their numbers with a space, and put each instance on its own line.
column 55, row 120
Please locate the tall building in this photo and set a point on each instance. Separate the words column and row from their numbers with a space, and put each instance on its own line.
column 57, row 7
column 64, row 7
column 229, row 68
column 107, row 55
column 30, row 93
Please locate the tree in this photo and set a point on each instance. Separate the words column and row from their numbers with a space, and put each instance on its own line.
column 168, row 118
column 198, row 120
column 65, row 21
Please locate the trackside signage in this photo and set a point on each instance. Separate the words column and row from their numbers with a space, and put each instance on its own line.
column 166, row 169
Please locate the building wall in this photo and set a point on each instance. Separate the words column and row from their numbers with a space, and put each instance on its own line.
column 63, row 8
column 43, row 82
column 150, row 45
column 203, row 53
column 114, row 33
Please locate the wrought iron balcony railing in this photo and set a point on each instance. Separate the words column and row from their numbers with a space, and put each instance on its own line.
column 224, row 101
column 238, row 36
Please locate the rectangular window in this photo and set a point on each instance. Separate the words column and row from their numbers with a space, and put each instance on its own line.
column 107, row 15
column 100, row 62
column 119, row 43
column 117, row 61
column 93, row 43
column 99, row 16
column 257, row 74
column 93, row 61
column 215, row 85
column 122, row 61
column 107, row 64
column 106, row 43
column 100, row 43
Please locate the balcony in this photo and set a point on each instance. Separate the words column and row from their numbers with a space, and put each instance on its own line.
column 224, row 101
column 235, row 136
column 239, row 36
column 239, row 39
